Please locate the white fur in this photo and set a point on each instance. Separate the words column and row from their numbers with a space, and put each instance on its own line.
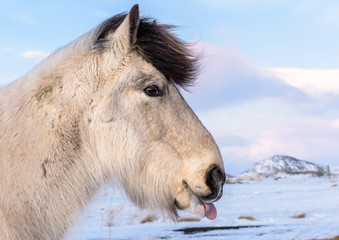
column 81, row 118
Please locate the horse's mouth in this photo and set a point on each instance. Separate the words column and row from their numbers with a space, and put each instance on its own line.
column 202, row 206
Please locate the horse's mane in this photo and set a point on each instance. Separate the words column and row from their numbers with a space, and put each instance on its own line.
column 156, row 44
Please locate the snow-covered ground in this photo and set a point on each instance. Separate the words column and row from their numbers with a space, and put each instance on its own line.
column 291, row 208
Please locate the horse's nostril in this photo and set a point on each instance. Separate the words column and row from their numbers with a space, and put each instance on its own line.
column 215, row 179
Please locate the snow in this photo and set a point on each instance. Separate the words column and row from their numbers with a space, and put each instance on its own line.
column 271, row 203
column 334, row 170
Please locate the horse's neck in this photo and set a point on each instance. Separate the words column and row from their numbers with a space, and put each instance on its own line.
column 47, row 170
column 50, row 188
column 47, row 167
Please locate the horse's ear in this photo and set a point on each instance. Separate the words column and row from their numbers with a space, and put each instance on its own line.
column 134, row 21
column 119, row 33
column 125, row 36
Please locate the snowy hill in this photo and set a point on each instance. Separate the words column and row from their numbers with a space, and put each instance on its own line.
column 278, row 165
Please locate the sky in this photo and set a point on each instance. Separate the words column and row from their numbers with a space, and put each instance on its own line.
column 269, row 81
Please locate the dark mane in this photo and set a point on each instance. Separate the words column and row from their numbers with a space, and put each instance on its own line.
column 159, row 46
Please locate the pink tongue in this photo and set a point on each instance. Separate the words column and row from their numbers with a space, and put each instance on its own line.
column 210, row 211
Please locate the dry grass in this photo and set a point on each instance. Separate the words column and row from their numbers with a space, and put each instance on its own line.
column 251, row 218
column 189, row 220
column 228, row 181
column 302, row 215
column 239, row 182
column 149, row 218
column 112, row 213
column 255, row 178
column 236, row 181
column 335, row 238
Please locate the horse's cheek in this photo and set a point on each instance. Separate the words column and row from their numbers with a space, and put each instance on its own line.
column 183, row 200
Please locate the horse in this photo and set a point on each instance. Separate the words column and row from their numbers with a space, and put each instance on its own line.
column 106, row 107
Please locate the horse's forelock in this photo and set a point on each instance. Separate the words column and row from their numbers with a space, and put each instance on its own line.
column 159, row 46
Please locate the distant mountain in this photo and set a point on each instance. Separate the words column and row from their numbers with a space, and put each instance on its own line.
column 283, row 165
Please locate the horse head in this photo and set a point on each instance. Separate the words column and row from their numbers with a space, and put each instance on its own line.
column 145, row 133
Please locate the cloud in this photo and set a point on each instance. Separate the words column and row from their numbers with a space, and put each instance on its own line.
column 7, row 49
column 256, row 112
column 229, row 77
column 37, row 55
column 313, row 138
column 335, row 124
column 267, row 143
column 315, row 82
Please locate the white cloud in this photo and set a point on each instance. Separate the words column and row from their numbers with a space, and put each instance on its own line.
column 309, row 138
column 315, row 82
column 335, row 124
column 229, row 77
column 256, row 112
column 267, row 143
column 273, row 126
column 7, row 49
column 37, row 55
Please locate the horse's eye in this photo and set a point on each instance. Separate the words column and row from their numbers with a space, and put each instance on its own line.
column 153, row 91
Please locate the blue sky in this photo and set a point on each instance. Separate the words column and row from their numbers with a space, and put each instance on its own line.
column 270, row 83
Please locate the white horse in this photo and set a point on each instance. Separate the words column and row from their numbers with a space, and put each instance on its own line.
column 104, row 107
